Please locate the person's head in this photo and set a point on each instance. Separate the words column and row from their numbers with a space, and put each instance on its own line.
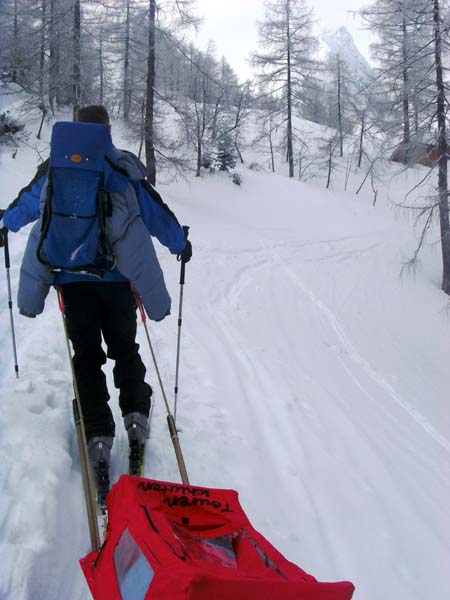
column 96, row 113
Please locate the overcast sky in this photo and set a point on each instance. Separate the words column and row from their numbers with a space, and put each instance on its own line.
column 232, row 25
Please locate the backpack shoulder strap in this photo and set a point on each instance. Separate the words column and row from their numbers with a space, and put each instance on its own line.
column 157, row 198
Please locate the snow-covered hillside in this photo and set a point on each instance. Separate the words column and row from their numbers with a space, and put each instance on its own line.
column 314, row 380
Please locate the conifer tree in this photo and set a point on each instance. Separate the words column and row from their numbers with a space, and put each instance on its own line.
column 442, row 109
column 286, row 62
column 225, row 159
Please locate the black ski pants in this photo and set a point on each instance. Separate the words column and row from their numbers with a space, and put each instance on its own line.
column 94, row 309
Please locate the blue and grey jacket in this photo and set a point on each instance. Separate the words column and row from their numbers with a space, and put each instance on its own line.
column 136, row 212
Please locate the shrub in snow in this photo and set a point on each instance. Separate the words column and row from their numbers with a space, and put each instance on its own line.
column 225, row 158
column 207, row 160
column 236, row 178
column 8, row 126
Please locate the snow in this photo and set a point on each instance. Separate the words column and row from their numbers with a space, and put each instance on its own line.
column 313, row 380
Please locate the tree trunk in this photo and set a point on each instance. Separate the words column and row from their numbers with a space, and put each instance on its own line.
column 361, row 138
column 126, row 67
column 237, row 123
column 44, row 112
column 199, row 136
column 443, row 149
column 416, row 117
column 290, row 150
column 42, row 51
column 100, row 58
column 330, row 164
column 272, row 159
column 199, row 156
column 214, row 119
column 339, row 99
column 239, row 153
column 76, row 72
column 142, row 133
column 405, row 75
column 150, row 97
column 15, row 43
column 201, row 125
column 53, row 58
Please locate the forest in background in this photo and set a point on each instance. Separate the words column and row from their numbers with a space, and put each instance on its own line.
column 188, row 111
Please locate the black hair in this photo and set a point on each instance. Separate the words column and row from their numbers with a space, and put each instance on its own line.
column 96, row 113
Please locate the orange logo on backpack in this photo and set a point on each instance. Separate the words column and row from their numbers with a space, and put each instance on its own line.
column 76, row 158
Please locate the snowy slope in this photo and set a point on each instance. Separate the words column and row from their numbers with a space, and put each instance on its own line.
column 314, row 380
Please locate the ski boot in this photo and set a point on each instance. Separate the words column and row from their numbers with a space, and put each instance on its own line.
column 138, row 431
column 99, row 451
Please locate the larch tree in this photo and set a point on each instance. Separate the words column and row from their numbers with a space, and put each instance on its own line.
column 441, row 29
column 404, row 57
column 413, row 49
column 285, row 60
column 178, row 14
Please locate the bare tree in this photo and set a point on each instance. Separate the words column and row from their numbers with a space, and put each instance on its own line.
column 76, row 64
column 178, row 11
column 285, row 35
column 126, row 64
column 150, row 95
column 390, row 20
column 442, row 105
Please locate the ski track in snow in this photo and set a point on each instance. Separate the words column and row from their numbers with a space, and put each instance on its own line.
column 359, row 361
column 261, row 419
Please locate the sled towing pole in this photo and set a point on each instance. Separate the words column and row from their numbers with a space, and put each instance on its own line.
column 91, row 505
column 4, row 235
column 180, row 320
column 170, row 419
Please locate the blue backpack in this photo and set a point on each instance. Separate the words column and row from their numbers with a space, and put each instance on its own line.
column 81, row 176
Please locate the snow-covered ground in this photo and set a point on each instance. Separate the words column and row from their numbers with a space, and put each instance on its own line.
column 314, row 380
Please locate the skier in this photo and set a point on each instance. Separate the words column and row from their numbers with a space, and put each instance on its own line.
column 97, row 307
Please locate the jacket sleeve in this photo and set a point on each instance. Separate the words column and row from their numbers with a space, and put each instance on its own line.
column 26, row 207
column 158, row 218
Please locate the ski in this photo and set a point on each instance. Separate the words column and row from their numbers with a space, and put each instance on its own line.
column 102, row 486
column 102, row 483
column 136, row 459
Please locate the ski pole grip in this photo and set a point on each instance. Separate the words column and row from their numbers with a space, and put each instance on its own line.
column 183, row 263
column 4, row 233
column 61, row 304
column 138, row 302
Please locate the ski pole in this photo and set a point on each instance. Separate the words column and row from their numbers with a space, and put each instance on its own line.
column 170, row 420
column 180, row 320
column 4, row 234
column 88, row 485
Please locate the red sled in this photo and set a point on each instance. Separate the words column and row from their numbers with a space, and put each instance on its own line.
column 168, row 541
